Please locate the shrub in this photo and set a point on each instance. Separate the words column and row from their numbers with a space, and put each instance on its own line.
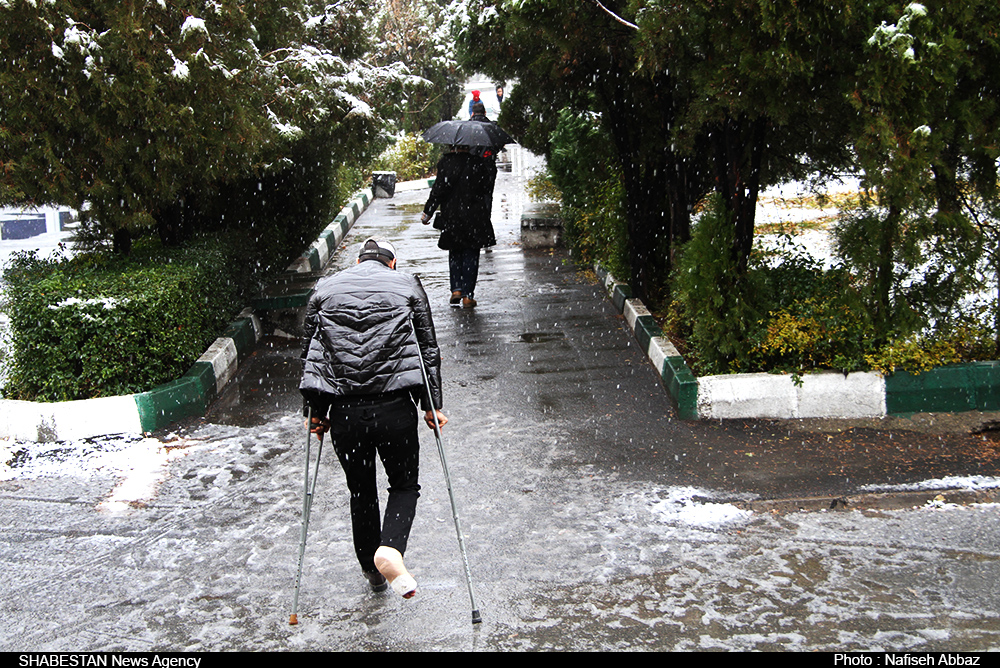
column 784, row 314
column 100, row 325
column 541, row 188
column 589, row 180
column 350, row 179
column 719, row 307
column 819, row 332
column 922, row 353
column 410, row 157
column 598, row 231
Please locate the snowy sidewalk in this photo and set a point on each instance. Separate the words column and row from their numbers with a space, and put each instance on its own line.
column 594, row 519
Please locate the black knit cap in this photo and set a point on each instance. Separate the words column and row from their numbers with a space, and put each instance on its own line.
column 377, row 249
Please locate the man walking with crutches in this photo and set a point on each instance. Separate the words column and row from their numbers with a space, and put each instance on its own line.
column 362, row 381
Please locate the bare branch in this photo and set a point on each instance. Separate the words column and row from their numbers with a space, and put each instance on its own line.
column 615, row 16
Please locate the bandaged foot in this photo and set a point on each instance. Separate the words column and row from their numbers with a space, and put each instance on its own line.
column 389, row 562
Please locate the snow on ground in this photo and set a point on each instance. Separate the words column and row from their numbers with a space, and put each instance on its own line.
column 973, row 483
column 788, row 206
column 46, row 244
column 139, row 464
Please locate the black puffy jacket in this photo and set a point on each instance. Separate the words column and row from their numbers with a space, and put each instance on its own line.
column 359, row 339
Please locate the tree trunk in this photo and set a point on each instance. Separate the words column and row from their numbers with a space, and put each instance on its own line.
column 738, row 153
column 643, row 175
column 121, row 241
column 170, row 224
column 888, row 237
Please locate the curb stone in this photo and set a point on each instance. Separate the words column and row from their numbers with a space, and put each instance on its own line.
column 955, row 388
column 875, row 501
column 189, row 395
column 681, row 384
column 318, row 253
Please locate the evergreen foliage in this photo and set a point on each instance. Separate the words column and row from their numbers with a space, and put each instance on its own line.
column 154, row 115
column 99, row 325
column 415, row 33
column 927, row 138
column 729, row 96
column 250, row 122
column 410, row 157
column 573, row 55
column 582, row 167
column 784, row 314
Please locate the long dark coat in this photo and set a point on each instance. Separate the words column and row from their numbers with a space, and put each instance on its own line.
column 463, row 191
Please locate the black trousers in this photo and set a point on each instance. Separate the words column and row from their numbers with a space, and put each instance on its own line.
column 386, row 426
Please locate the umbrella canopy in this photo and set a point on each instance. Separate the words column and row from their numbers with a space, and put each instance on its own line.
column 467, row 133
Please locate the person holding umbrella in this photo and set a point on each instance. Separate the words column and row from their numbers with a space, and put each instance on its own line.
column 463, row 191
column 486, row 153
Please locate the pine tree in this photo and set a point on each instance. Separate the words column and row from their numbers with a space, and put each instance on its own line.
column 928, row 105
column 414, row 34
column 142, row 113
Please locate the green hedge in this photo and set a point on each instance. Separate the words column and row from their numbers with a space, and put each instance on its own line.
column 98, row 325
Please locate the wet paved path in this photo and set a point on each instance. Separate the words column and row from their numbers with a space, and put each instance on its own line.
column 577, row 489
column 546, row 361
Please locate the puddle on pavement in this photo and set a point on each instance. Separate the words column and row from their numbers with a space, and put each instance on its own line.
column 267, row 387
column 541, row 337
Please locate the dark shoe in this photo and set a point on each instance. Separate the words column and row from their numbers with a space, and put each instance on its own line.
column 376, row 580
column 456, row 298
column 468, row 303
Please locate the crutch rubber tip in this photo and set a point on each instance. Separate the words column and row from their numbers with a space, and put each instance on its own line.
column 294, row 619
column 476, row 619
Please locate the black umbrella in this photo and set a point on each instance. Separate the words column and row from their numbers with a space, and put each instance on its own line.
column 468, row 133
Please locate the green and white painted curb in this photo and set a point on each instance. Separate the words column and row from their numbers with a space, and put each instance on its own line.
column 189, row 395
column 318, row 254
column 674, row 372
column 829, row 394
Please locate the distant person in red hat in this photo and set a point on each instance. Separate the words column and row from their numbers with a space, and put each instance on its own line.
column 475, row 98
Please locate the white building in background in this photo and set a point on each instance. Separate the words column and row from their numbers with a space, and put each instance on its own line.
column 17, row 223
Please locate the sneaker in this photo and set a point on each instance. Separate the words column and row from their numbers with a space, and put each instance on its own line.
column 468, row 303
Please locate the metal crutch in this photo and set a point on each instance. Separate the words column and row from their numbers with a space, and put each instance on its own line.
column 476, row 619
column 306, row 509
